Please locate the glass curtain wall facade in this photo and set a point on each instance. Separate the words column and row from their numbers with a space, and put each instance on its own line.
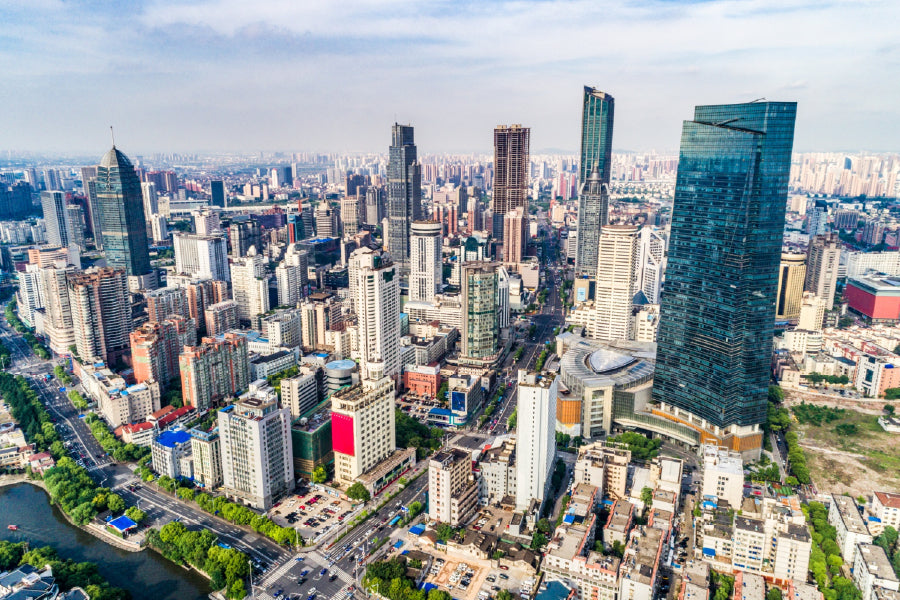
column 718, row 305
column 404, row 190
column 122, row 220
column 598, row 109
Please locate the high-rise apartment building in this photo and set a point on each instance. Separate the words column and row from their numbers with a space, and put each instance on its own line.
column 362, row 427
column 452, row 493
column 717, row 311
column 221, row 317
column 515, row 235
column 214, row 370
column 822, row 265
column 257, row 455
column 375, row 287
column 56, row 218
column 30, row 295
column 426, row 270
column 75, row 215
column 791, row 275
column 249, row 286
column 614, row 292
column 167, row 301
column 244, row 235
column 374, row 205
column 151, row 203
column 597, row 114
column 283, row 328
column 404, row 192
column 350, row 215
column 480, row 326
column 535, row 436
column 511, row 144
column 155, row 348
column 327, row 222
column 303, row 392
column 873, row 232
column 202, row 256
column 101, row 314
column 58, row 323
column 122, row 219
column 206, row 449
column 290, row 283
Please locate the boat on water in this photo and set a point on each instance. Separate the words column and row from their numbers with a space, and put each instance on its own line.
column 12, row 527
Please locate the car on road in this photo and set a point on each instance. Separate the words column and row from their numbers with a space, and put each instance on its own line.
column 322, row 572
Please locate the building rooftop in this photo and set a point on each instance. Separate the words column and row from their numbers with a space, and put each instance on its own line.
column 748, row 586
column 170, row 439
column 849, row 514
column 877, row 562
column 888, row 499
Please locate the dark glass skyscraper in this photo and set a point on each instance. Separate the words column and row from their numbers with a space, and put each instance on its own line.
column 122, row 221
column 718, row 304
column 404, row 192
column 597, row 113
column 217, row 192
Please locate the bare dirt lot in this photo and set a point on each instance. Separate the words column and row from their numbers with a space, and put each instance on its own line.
column 846, row 449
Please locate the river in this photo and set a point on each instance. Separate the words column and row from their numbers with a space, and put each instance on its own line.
column 147, row 575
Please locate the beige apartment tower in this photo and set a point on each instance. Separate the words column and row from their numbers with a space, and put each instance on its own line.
column 791, row 277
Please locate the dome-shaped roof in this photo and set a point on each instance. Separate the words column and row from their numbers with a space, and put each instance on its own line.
column 115, row 158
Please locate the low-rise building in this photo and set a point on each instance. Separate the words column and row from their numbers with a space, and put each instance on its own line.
column 603, row 466
column 639, row 571
column 618, row 524
column 885, row 511
column 422, row 380
column 850, row 527
column 872, row 569
column 498, row 472
column 722, row 475
column 171, row 452
column 206, row 449
column 261, row 366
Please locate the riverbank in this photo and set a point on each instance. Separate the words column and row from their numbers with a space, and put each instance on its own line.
column 91, row 528
column 147, row 575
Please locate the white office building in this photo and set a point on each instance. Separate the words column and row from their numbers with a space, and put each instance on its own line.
column 202, row 256
column 375, row 285
column 535, row 436
column 425, row 260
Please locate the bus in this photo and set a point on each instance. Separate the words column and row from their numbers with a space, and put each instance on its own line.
column 394, row 521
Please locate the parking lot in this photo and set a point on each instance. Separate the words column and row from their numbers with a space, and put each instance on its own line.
column 476, row 579
column 418, row 407
column 313, row 514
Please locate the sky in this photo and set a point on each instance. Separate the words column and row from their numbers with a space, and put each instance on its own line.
column 332, row 76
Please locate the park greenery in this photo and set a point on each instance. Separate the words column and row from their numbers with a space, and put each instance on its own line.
column 811, row 414
column 723, row 586
column 358, row 491
column 67, row 573
column 77, row 400
column 640, row 446
column 413, row 434
column 825, row 560
column 241, row 515
column 37, row 347
column 72, row 489
column 892, row 394
column 226, row 567
column 111, row 444
column 816, row 378
column 62, row 375
column 388, row 578
column 320, row 474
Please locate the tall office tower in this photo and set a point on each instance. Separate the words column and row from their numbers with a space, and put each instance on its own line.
column 30, row 295
column 31, row 178
column 250, row 286
column 817, row 218
column 257, row 455
column 155, row 348
column 374, row 206
column 510, row 172
column 362, row 427
column 295, row 231
column 404, row 192
column 296, row 256
column 202, row 256
column 480, row 326
column 151, row 199
column 56, row 218
column 309, row 326
column 206, row 451
column 221, row 317
column 651, row 263
column 167, row 301
column 717, row 313
column 308, row 221
column 327, row 225
column 822, row 267
column 791, row 275
column 87, row 173
column 597, row 112
column 122, row 220
column 214, row 370
column 535, row 436
column 453, row 495
column 93, row 205
column 615, row 289
column 58, row 324
column 873, row 232
column 426, row 270
column 206, row 222
column 51, row 180
column 217, row 193
column 593, row 207
column 101, row 314
column 244, row 235
column 76, row 224
column 350, row 215
column 474, row 215
column 515, row 224
column 375, row 284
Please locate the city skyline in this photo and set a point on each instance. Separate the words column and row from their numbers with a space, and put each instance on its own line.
column 179, row 73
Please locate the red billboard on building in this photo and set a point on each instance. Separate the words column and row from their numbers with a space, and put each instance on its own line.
column 342, row 434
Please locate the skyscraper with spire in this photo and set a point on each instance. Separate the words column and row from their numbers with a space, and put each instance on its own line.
column 122, row 220
column 404, row 192
column 597, row 113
